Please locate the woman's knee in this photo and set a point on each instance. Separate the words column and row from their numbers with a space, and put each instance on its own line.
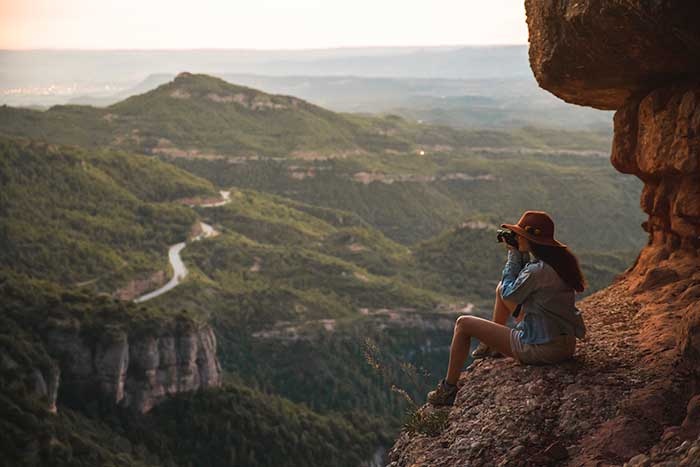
column 463, row 323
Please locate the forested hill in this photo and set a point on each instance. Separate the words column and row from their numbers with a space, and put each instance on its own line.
column 98, row 217
column 201, row 113
column 75, row 221
column 199, row 116
column 409, row 180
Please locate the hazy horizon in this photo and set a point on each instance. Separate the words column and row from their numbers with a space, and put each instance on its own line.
column 42, row 76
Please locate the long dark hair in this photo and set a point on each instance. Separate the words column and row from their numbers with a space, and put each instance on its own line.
column 564, row 261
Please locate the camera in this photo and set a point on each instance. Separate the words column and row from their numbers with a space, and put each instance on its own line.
column 508, row 236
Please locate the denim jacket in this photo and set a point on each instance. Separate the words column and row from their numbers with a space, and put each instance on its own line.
column 548, row 302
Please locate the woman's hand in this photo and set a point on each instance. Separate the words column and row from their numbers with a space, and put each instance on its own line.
column 516, row 246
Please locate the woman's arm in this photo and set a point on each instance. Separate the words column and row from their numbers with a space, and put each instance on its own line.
column 519, row 280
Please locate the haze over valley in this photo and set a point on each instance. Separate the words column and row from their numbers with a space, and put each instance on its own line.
column 484, row 86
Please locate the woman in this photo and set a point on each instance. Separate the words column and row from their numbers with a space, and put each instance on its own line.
column 545, row 287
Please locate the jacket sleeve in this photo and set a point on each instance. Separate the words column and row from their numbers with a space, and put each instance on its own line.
column 519, row 278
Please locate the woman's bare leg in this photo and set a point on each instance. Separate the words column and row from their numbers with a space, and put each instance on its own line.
column 495, row 335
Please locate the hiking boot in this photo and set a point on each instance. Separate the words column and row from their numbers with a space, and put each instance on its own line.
column 482, row 350
column 443, row 394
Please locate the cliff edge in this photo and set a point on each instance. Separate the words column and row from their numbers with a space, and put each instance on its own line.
column 136, row 371
column 630, row 394
column 76, row 350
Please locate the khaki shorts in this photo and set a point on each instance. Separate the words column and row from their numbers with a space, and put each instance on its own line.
column 554, row 351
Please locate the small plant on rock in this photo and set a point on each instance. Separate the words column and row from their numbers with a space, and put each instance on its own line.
column 426, row 421
column 422, row 420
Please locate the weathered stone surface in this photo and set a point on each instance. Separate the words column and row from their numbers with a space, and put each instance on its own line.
column 599, row 53
column 689, row 326
column 606, row 405
column 136, row 372
column 657, row 138
column 613, row 401
column 691, row 423
column 658, row 133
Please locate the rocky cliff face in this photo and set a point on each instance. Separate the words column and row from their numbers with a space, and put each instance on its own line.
column 599, row 53
column 631, row 392
column 134, row 371
column 642, row 59
column 657, row 138
column 40, row 382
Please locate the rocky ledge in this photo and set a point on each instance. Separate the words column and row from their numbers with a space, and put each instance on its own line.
column 631, row 395
column 624, row 395
column 632, row 392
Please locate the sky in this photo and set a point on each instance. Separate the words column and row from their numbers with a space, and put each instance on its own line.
column 258, row 24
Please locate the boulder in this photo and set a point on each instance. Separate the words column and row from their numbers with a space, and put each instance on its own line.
column 599, row 53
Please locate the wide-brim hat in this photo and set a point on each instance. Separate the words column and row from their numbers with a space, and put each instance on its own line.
column 537, row 227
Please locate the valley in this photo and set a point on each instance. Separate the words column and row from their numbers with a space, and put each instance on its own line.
column 323, row 256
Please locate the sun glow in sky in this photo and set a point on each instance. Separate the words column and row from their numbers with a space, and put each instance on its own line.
column 257, row 24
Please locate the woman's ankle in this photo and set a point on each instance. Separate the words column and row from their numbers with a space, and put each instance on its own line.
column 450, row 384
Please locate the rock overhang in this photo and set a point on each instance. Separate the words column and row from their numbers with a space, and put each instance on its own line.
column 600, row 53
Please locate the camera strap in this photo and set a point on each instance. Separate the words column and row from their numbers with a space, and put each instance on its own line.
column 516, row 312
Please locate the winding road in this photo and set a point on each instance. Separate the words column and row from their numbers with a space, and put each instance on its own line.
column 179, row 268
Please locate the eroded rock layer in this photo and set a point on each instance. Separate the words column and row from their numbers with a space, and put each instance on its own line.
column 657, row 138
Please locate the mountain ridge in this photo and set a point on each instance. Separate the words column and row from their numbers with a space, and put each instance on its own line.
column 198, row 115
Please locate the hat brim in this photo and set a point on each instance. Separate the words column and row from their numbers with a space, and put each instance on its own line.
column 542, row 241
